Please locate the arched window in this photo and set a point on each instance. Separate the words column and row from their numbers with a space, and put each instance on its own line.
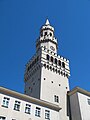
column 50, row 34
column 47, row 57
column 50, row 68
column 51, row 59
column 55, row 61
column 59, row 63
column 63, row 64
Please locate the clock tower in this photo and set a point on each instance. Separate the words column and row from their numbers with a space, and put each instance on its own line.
column 47, row 38
column 47, row 73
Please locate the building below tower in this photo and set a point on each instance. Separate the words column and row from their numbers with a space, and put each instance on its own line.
column 79, row 101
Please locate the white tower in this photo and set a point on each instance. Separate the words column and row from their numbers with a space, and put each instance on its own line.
column 47, row 73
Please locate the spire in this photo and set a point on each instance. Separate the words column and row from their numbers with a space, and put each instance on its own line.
column 47, row 22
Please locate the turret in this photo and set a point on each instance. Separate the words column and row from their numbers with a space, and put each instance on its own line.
column 47, row 38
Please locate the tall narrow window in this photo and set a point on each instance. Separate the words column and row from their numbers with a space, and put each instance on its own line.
column 59, row 63
column 88, row 101
column 27, row 108
column 17, row 105
column 5, row 102
column 50, row 34
column 55, row 61
column 56, row 98
column 2, row 118
column 37, row 111
column 47, row 57
column 51, row 59
column 63, row 64
column 47, row 114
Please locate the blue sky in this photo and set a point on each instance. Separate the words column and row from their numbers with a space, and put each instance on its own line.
column 20, row 22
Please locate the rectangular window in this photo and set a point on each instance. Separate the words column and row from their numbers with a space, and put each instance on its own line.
column 5, row 102
column 37, row 112
column 47, row 114
column 56, row 98
column 2, row 118
column 27, row 108
column 88, row 101
column 17, row 105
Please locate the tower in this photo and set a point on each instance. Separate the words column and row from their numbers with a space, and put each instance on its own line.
column 47, row 73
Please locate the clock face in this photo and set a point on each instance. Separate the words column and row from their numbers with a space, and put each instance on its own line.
column 52, row 48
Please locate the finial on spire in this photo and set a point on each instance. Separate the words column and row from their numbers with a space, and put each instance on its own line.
column 47, row 22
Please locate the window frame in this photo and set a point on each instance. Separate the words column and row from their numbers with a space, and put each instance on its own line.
column 47, row 114
column 17, row 105
column 38, row 112
column 56, row 98
column 5, row 102
column 28, row 109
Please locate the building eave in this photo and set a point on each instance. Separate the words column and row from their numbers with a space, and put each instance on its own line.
column 29, row 99
column 80, row 90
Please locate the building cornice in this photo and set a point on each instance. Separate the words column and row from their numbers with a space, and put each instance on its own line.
column 29, row 99
column 80, row 90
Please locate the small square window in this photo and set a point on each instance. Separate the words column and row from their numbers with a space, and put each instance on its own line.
column 17, row 105
column 5, row 102
column 27, row 108
column 37, row 112
column 47, row 114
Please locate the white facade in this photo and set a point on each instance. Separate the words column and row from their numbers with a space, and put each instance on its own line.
column 8, row 110
column 79, row 104
column 47, row 73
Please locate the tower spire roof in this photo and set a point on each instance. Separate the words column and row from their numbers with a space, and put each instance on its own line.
column 47, row 22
